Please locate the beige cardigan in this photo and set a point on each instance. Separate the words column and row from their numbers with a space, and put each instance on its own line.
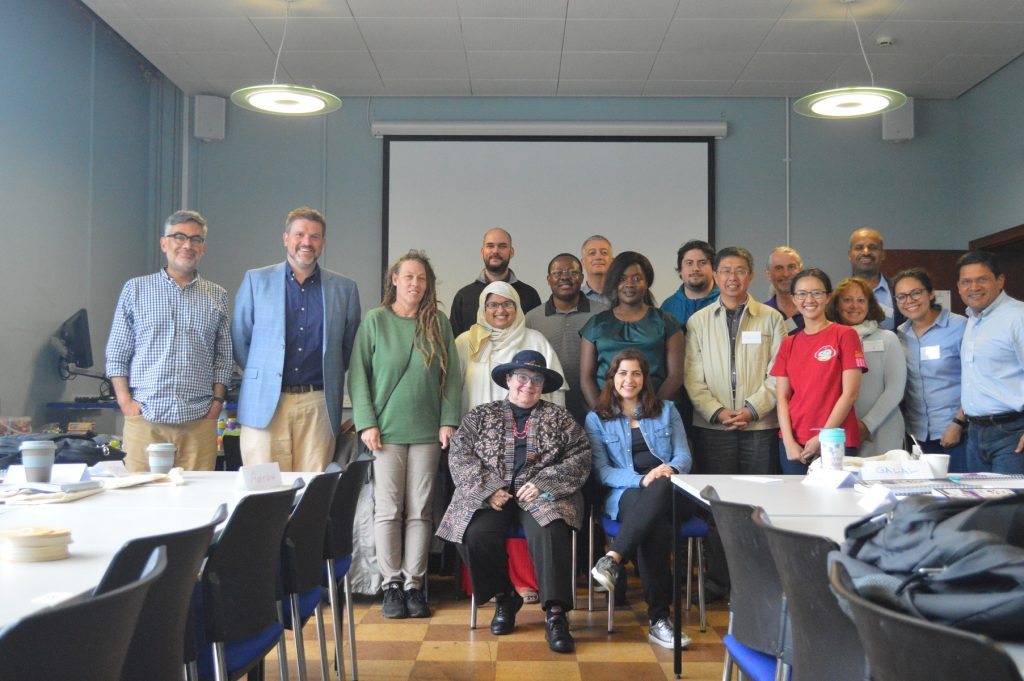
column 707, row 378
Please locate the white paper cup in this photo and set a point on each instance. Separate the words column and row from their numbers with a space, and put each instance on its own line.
column 939, row 464
column 37, row 459
column 161, row 456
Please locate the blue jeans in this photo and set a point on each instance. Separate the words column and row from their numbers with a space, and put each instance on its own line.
column 957, row 454
column 990, row 448
column 797, row 468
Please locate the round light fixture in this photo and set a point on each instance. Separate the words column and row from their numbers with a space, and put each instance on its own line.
column 849, row 102
column 286, row 100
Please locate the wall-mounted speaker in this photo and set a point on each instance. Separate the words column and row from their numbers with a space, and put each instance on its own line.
column 898, row 125
column 209, row 117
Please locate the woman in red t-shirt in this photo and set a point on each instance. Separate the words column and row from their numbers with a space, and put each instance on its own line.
column 818, row 371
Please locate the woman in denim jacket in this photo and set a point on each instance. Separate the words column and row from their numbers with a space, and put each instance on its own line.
column 638, row 442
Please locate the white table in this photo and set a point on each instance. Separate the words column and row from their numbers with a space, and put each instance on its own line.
column 100, row 525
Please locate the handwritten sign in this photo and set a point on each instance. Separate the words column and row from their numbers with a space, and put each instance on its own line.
column 260, row 476
column 895, row 470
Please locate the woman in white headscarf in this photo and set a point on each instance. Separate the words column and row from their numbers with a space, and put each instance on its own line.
column 499, row 333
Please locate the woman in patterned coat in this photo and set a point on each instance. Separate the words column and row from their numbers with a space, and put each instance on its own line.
column 519, row 462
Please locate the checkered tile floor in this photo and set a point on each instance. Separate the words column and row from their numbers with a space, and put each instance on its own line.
column 443, row 647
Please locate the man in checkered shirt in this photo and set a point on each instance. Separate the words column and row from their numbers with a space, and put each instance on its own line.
column 169, row 352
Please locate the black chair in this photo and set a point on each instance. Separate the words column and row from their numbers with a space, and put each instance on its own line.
column 904, row 648
column 302, row 549
column 757, row 639
column 157, row 649
column 82, row 639
column 825, row 642
column 338, row 554
column 235, row 603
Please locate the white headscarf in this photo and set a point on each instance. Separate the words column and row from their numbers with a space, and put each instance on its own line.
column 484, row 338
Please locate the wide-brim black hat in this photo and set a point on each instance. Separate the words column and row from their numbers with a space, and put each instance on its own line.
column 532, row 360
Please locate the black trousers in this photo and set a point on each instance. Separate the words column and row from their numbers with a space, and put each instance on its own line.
column 646, row 517
column 483, row 551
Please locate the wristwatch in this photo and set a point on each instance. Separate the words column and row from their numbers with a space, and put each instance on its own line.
column 218, row 398
column 960, row 422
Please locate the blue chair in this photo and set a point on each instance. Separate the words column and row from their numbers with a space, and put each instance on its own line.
column 337, row 554
column 692, row 530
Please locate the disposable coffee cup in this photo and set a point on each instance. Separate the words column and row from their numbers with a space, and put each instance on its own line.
column 939, row 463
column 833, row 448
column 37, row 459
column 161, row 456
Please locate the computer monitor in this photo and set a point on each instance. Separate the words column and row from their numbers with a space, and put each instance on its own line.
column 74, row 333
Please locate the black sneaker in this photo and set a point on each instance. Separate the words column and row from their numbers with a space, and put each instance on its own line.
column 505, row 608
column 556, row 631
column 416, row 603
column 394, row 602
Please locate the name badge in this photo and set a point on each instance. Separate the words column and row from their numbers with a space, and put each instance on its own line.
column 751, row 338
column 789, row 324
column 931, row 352
column 877, row 345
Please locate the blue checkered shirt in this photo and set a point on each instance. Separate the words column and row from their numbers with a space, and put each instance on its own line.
column 173, row 343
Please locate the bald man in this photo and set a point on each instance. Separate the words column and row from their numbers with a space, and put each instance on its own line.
column 496, row 252
column 867, row 251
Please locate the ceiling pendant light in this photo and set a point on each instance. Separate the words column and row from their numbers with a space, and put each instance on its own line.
column 285, row 100
column 851, row 102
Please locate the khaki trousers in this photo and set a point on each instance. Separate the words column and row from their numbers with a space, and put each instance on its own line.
column 196, row 442
column 299, row 437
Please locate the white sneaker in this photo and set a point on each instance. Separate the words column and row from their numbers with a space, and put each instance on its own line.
column 660, row 634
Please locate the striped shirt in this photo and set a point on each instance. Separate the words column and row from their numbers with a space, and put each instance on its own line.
column 173, row 343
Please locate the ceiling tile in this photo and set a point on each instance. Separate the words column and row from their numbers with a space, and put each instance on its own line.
column 716, row 35
column 764, row 88
column 730, row 9
column 353, row 87
column 836, row 9
column 210, row 35
column 1015, row 13
column 617, row 9
column 520, row 65
column 172, row 65
column 411, row 34
column 427, row 87
column 806, row 35
column 921, row 37
column 687, row 88
column 308, row 34
column 684, row 66
column 514, row 88
column 926, row 90
column 953, row 10
column 403, row 8
column 782, row 68
column 606, row 65
column 888, row 68
column 199, row 9
column 964, row 68
column 601, row 88
column 111, row 10
column 317, row 66
column 614, row 35
column 513, row 9
column 543, row 35
column 139, row 34
column 435, row 65
column 254, row 66
column 1006, row 38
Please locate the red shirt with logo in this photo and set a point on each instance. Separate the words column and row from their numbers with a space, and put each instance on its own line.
column 814, row 365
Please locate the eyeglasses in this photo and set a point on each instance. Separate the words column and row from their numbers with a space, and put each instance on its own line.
column 507, row 305
column 180, row 238
column 527, row 378
column 558, row 274
column 817, row 294
column 728, row 271
column 909, row 295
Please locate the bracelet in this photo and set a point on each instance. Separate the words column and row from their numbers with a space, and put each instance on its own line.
column 960, row 422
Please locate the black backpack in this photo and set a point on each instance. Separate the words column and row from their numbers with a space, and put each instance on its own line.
column 70, row 449
column 958, row 562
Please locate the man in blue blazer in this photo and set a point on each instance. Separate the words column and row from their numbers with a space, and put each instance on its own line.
column 293, row 328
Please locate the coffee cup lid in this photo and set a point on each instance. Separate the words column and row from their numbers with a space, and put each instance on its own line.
column 161, row 447
column 37, row 444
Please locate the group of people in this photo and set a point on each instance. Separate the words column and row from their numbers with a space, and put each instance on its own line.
column 595, row 393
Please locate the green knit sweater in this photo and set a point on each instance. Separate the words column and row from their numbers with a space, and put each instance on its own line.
column 382, row 365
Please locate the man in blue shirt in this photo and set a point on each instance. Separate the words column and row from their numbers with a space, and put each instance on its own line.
column 293, row 328
column 169, row 352
column 698, row 290
column 992, row 361
column 867, row 251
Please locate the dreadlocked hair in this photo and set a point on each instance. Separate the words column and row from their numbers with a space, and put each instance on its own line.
column 428, row 329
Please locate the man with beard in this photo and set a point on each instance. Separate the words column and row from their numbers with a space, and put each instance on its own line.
column 294, row 326
column 867, row 251
column 783, row 264
column 597, row 256
column 560, row 320
column 496, row 251
column 698, row 290
column 169, row 352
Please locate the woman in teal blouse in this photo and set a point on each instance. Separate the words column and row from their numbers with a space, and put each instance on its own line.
column 635, row 323
column 405, row 385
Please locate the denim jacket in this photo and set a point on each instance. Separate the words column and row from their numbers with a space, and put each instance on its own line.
column 611, row 446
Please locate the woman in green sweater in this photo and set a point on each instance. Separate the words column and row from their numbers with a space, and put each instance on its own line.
column 405, row 385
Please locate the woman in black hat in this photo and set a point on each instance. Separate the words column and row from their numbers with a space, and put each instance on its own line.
column 520, row 461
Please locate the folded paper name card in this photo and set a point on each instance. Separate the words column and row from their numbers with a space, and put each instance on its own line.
column 819, row 477
column 877, row 471
column 60, row 473
column 260, row 476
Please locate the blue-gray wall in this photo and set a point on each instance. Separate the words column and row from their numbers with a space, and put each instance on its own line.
column 92, row 162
